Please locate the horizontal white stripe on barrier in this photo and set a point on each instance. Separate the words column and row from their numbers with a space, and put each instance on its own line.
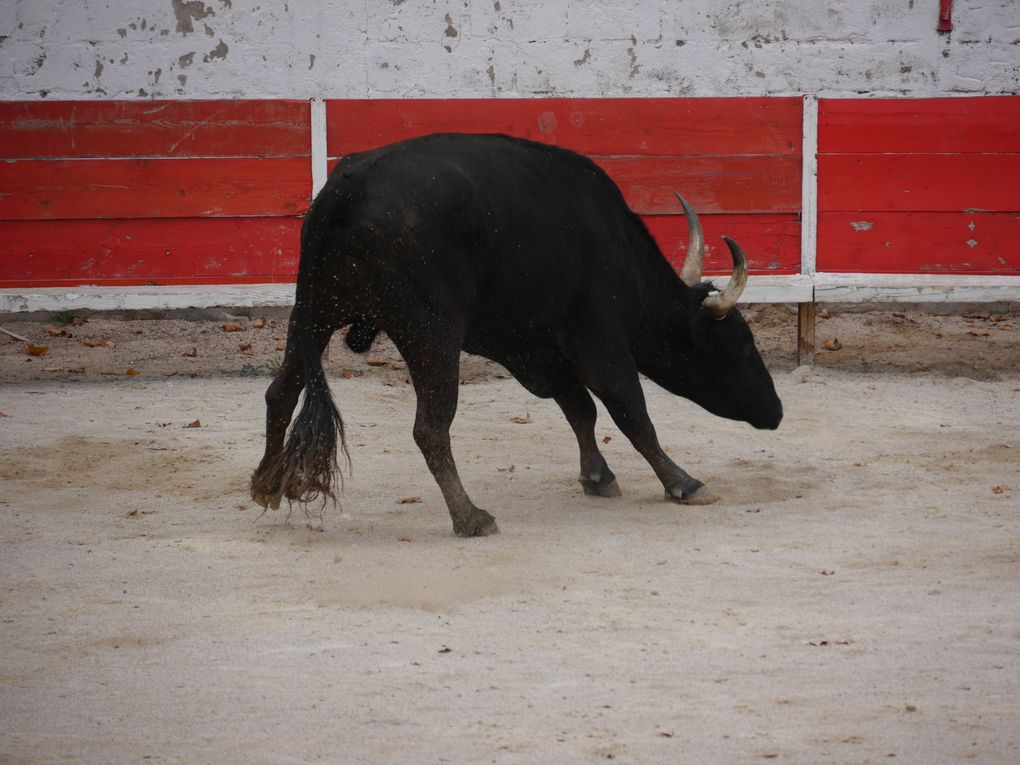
column 821, row 288
column 915, row 288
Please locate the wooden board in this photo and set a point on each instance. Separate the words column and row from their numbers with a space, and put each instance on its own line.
column 910, row 125
column 145, row 188
column 595, row 126
column 167, row 251
column 771, row 242
column 118, row 129
column 919, row 182
column 711, row 184
column 926, row 242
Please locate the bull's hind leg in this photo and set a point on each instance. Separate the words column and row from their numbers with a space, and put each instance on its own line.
column 596, row 478
column 434, row 366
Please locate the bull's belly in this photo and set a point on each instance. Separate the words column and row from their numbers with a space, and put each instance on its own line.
column 534, row 361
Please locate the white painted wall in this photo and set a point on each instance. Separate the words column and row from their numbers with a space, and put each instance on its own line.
column 105, row 49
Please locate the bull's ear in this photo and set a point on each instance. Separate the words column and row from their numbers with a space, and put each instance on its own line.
column 717, row 306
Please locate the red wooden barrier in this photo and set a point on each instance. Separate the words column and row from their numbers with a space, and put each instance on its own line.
column 919, row 186
column 152, row 192
column 738, row 160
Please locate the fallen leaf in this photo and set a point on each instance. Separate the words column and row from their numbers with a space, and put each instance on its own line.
column 510, row 469
column 832, row 345
column 4, row 414
column 409, row 501
column 89, row 342
column 526, row 420
column 826, row 572
column 77, row 321
column 169, row 374
column 37, row 350
column 444, row 649
column 910, row 708
column 607, row 439
column 190, row 354
column 1000, row 489
column 349, row 374
column 77, row 370
column 107, row 343
column 233, row 326
column 132, row 372
column 55, row 331
column 406, row 538
column 396, row 366
column 245, row 346
column 281, row 346
column 258, row 323
column 823, row 314
column 978, row 334
column 376, row 362
column 195, row 424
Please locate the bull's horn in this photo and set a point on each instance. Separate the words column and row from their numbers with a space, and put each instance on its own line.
column 720, row 305
column 694, row 263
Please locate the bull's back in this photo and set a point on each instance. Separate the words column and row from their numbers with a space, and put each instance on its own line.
column 514, row 231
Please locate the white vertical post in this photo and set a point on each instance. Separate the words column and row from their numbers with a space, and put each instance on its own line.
column 809, row 188
column 320, row 168
column 808, row 228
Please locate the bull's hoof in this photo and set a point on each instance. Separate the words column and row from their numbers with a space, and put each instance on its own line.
column 480, row 524
column 599, row 489
column 263, row 497
column 700, row 496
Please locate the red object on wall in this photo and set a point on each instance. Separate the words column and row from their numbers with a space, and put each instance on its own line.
column 945, row 16
column 919, row 186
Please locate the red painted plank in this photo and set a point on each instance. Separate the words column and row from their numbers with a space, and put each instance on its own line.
column 930, row 125
column 253, row 250
column 711, row 184
column 771, row 242
column 144, row 188
column 896, row 242
column 919, row 182
column 607, row 126
column 78, row 129
column 181, row 251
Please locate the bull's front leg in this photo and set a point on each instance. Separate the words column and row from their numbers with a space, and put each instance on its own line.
column 596, row 478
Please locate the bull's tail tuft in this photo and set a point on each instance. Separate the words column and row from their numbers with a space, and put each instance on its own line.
column 308, row 467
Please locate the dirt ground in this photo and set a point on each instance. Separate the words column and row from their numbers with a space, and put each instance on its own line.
column 852, row 599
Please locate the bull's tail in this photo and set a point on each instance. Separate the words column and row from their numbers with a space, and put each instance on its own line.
column 309, row 467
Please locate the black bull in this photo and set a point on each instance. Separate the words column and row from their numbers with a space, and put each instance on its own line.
column 523, row 253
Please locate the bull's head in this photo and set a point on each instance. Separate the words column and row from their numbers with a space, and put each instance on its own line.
column 721, row 369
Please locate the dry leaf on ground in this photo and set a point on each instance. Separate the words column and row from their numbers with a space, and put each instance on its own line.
column 233, row 326
column 195, row 424
column 409, row 501
column 832, row 345
column 36, row 350
column 525, row 420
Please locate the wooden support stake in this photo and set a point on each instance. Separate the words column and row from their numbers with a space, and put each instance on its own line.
column 806, row 333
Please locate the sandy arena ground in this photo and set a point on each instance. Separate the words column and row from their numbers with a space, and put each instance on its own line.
column 854, row 598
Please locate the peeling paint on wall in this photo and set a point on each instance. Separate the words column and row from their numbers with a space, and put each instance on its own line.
column 336, row 48
column 219, row 52
column 187, row 12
